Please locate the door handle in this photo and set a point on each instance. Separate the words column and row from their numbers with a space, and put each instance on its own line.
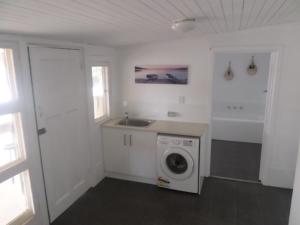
column 124, row 140
column 42, row 131
column 130, row 140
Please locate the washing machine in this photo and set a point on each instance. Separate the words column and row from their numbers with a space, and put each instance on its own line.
column 178, row 163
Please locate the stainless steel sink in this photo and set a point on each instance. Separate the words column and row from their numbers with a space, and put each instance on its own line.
column 135, row 122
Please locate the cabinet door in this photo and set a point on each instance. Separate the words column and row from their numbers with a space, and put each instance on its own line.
column 142, row 154
column 116, row 155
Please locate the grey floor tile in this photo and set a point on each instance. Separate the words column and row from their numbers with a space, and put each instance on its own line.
column 222, row 202
column 238, row 160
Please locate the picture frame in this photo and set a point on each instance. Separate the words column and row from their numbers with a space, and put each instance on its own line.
column 161, row 74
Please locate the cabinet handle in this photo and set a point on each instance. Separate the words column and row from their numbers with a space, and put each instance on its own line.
column 130, row 140
column 124, row 140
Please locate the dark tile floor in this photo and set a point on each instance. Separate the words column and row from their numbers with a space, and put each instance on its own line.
column 222, row 202
column 239, row 160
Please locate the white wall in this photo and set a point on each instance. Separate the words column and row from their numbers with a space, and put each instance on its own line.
column 154, row 101
column 238, row 105
column 243, row 96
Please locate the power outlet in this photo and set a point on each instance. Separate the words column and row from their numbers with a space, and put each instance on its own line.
column 181, row 100
column 173, row 114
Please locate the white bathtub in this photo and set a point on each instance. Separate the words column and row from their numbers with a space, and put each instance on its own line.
column 238, row 128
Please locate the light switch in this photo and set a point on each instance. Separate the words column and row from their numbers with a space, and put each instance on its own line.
column 125, row 103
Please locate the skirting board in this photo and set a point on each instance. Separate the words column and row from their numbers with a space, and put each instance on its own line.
column 130, row 178
column 142, row 179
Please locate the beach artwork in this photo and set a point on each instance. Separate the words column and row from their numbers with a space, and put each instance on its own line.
column 161, row 74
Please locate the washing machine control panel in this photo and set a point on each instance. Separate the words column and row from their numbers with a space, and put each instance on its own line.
column 176, row 142
column 187, row 143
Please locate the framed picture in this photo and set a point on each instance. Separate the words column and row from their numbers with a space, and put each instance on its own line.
column 161, row 74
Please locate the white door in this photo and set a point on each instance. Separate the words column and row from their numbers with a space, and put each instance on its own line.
column 61, row 110
column 116, row 150
column 21, row 188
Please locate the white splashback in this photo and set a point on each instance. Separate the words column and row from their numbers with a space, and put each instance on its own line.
column 151, row 110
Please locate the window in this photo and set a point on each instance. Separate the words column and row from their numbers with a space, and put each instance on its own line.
column 15, row 194
column 100, row 92
column 16, row 202
column 7, row 76
column 11, row 140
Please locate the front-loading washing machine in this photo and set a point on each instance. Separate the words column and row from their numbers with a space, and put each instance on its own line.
column 178, row 162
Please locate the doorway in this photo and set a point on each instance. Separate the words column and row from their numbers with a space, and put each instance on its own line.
column 242, row 98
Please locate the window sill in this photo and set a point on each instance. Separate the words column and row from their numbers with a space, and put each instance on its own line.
column 24, row 218
column 102, row 120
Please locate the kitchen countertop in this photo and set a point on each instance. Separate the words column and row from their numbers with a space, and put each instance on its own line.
column 165, row 127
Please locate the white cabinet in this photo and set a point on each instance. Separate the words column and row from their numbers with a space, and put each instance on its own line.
column 142, row 154
column 130, row 152
column 116, row 151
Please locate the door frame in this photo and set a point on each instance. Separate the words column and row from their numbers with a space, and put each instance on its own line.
column 271, row 101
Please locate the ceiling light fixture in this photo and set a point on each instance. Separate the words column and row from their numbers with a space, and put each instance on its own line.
column 184, row 25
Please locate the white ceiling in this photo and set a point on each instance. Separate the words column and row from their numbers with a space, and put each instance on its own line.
column 126, row 22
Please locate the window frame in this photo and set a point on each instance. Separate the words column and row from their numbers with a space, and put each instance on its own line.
column 27, row 215
column 107, row 91
column 23, row 104
column 12, row 107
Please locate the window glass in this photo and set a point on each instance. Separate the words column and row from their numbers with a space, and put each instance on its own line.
column 16, row 200
column 7, row 76
column 100, row 91
column 11, row 139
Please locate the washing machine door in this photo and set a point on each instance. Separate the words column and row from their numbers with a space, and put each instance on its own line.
column 177, row 163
